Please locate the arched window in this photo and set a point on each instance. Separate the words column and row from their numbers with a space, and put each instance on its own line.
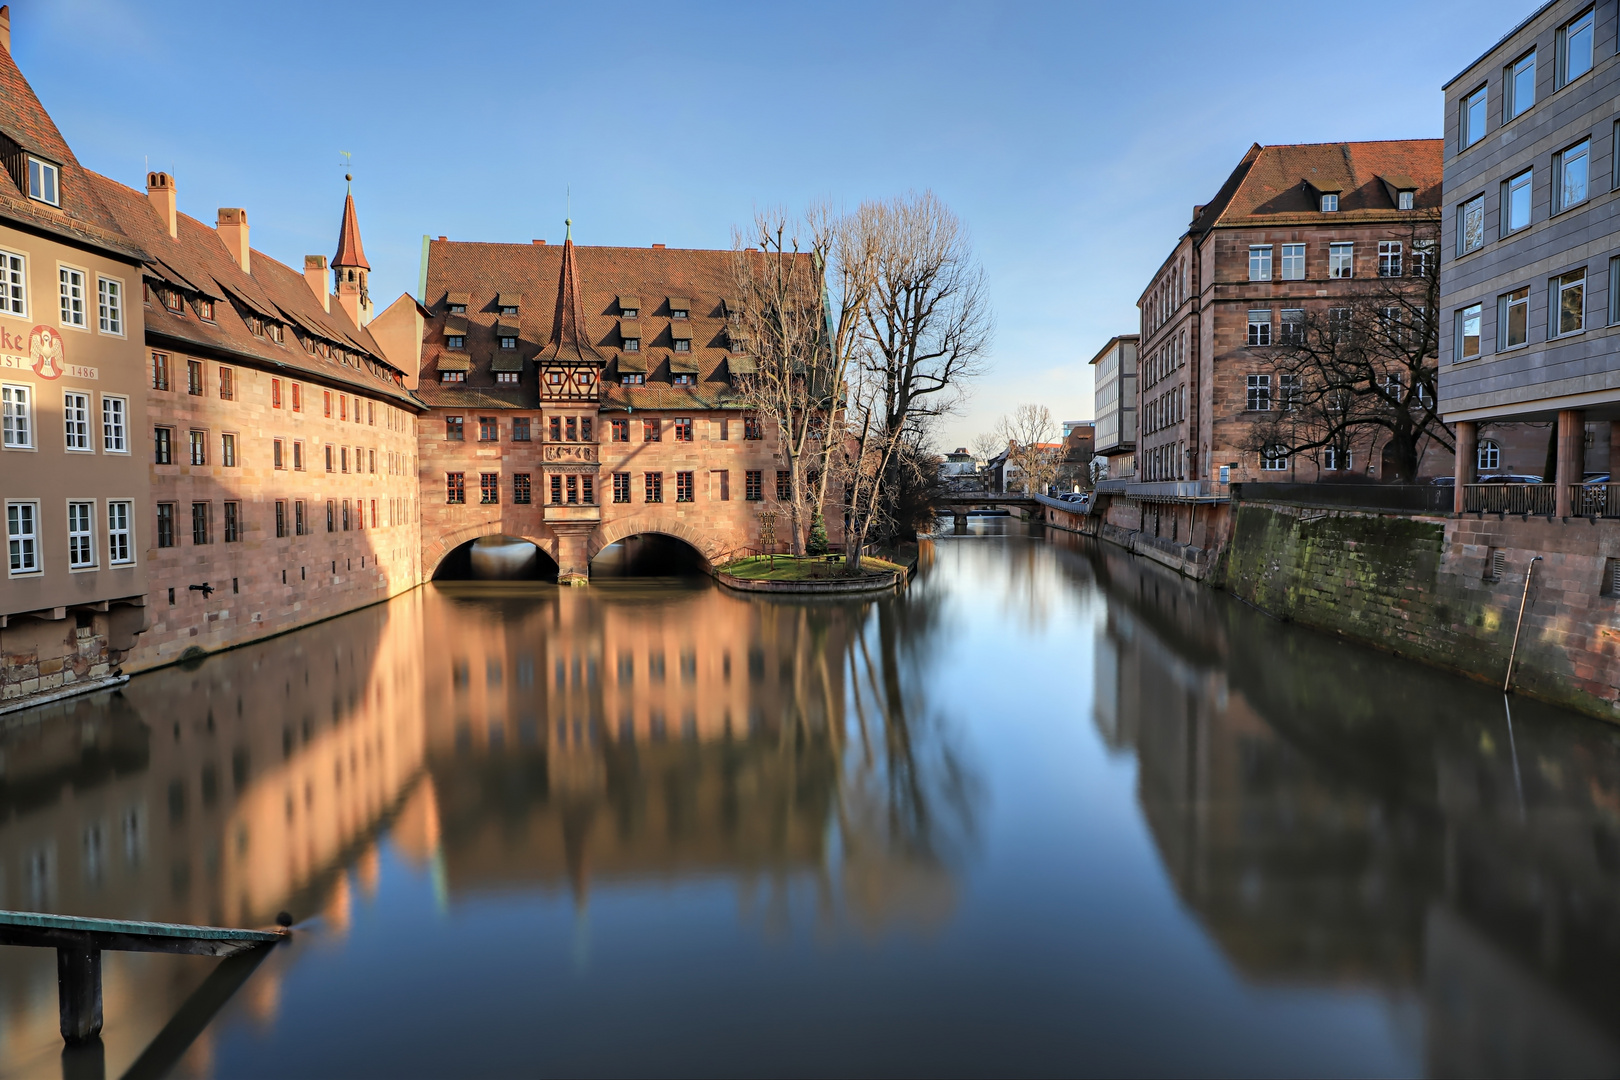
column 1490, row 456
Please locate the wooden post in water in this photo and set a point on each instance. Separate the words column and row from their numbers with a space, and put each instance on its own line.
column 78, row 987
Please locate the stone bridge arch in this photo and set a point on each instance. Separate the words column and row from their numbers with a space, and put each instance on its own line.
column 707, row 545
column 436, row 549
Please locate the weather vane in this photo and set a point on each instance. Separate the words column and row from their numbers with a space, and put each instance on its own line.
column 348, row 166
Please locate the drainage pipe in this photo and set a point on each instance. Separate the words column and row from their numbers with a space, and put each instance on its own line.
column 1530, row 572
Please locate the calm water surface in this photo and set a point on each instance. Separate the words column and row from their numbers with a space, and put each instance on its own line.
column 1052, row 811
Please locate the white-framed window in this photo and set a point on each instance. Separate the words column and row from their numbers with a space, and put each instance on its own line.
column 76, row 420
column 455, row 341
column 110, row 305
column 120, row 532
column 1259, row 262
column 1488, row 458
column 1516, row 202
column 1259, row 326
column 1422, row 263
column 1289, row 392
column 506, row 377
column 1389, row 258
column 1467, row 333
column 44, row 181
column 1513, row 319
column 1571, row 170
column 17, row 417
column 71, row 280
column 1341, row 260
column 1293, row 326
column 81, row 535
column 22, row 537
column 1471, row 119
column 1471, row 225
column 1293, row 262
column 1330, row 202
column 1259, row 399
column 198, row 445
column 1567, row 299
column 13, row 284
column 1336, row 458
column 1404, row 200
column 114, row 424
column 1575, row 48
column 1274, row 459
column 508, row 342
column 1519, row 88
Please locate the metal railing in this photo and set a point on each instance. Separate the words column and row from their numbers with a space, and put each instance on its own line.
column 1411, row 498
column 1595, row 500
column 1536, row 500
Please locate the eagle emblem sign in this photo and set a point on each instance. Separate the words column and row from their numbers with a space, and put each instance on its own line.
column 45, row 348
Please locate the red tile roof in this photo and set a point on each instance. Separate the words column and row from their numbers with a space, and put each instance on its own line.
column 570, row 342
column 349, row 251
column 1277, row 185
column 197, row 263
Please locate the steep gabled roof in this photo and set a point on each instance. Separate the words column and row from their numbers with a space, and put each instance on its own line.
column 570, row 341
column 349, row 251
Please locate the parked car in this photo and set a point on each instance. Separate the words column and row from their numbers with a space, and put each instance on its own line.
column 1596, row 478
column 1444, row 481
column 1510, row 478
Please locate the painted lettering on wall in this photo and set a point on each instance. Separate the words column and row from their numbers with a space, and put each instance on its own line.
column 43, row 352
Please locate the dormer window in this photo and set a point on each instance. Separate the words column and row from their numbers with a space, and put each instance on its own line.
column 1403, row 200
column 205, row 309
column 456, row 302
column 506, row 377
column 174, row 301
column 455, row 341
column 678, row 313
column 632, row 379
column 632, row 344
column 507, row 303
column 43, row 182
column 629, row 313
column 508, row 342
column 629, row 306
column 684, row 380
column 452, row 376
column 508, row 309
column 458, row 309
column 683, row 344
column 1330, row 202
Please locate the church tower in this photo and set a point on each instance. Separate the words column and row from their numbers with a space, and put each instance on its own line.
column 349, row 267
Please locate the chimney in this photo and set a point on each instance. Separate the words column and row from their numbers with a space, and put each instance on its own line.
column 160, row 190
column 317, row 277
column 658, row 247
column 538, row 243
column 232, row 227
column 5, row 27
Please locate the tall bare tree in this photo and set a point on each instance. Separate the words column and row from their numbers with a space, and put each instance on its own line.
column 870, row 464
column 1357, row 372
column 802, row 295
column 1029, row 432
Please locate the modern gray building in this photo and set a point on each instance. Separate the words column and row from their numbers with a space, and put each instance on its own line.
column 1530, row 272
column 1114, row 390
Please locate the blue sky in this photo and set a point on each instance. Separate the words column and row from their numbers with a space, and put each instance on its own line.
column 1073, row 139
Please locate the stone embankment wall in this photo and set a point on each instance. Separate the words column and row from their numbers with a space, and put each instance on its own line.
column 1444, row 590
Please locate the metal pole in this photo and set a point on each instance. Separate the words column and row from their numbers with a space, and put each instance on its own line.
column 1507, row 682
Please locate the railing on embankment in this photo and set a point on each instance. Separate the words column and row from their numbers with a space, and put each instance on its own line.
column 1402, row 498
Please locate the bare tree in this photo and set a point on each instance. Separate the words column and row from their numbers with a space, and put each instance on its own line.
column 869, row 463
column 1029, row 432
column 801, row 295
column 1361, row 371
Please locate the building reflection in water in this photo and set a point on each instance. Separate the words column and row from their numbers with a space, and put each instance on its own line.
column 503, row 737
column 1335, row 816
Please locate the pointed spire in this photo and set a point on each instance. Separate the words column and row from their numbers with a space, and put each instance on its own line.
column 570, row 341
column 349, row 251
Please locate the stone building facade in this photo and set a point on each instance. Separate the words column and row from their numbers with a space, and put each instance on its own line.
column 579, row 395
column 72, row 476
column 1292, row 230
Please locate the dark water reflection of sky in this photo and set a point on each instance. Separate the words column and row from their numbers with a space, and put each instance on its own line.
column 1052, row 811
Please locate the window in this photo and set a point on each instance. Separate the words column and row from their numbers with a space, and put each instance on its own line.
column 651, row 431
column 343, row 455
column 520, row 429
column 1575, row 49
column 331, row 521
column 654, row 487
column 1293, row 326
column 752, row 428
column 1341, row 260
column 1488, row 457
column 1422, row 262
column 1289, row 392
column 1516, row 202
column 452, row 428
column 452, row 376
column 1471, row 225
column 520, row 489
column 683, row 430
column 455, row 341
column 683, row 379
column 165, row 525
column 81, row 535
column 1467, row 334
column 621, row 430
column 1513, row 319
column 784, row 485
column 621, row 487
column 489, row 430
column 683, row 487
column 199, row 523
column 1336, row 458
column 194, row 378
column 508, row 342
column 1570, row 169
column 754, row 485
column 198, row 447
column 160, row 371
column 631, row 345
column 1330, row 203
column 585, row 429
column 683, row 345
column 13, row 285
column 227, row 451
column 489, row 488
column 556, row 489
column 233, row 522
column 1471, row 120
column 573, row 490
column 1519, row 88
column 1259, row 326
column 1259, row 262
column 300, row 523
column 1293, row 262
column 298, row 397
column 555, row 428
column 455, row 487
column 458, row 309
column 1404, row 199
column 1389, row 258
column 632, row 380
column 22, row 537
column 573, row 429
column 276, row 461
column 120, row 535
column 371, row 460
column 298, row 455
column 331, row 459
column 327, row 407
column 227, row 384
column 43, row 182
column 1274, row 459
column 281, row 518
column 205, row 310
column 275, row 393
column 1568, row 303
column 507, row 377
column 110, row 305
column 1259, row 399
column 72, row 283
column 76, row 420
column 173, row 301
column 163, row 446
column 371, row 414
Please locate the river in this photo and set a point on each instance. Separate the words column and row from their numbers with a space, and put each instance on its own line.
column 1053, row 810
